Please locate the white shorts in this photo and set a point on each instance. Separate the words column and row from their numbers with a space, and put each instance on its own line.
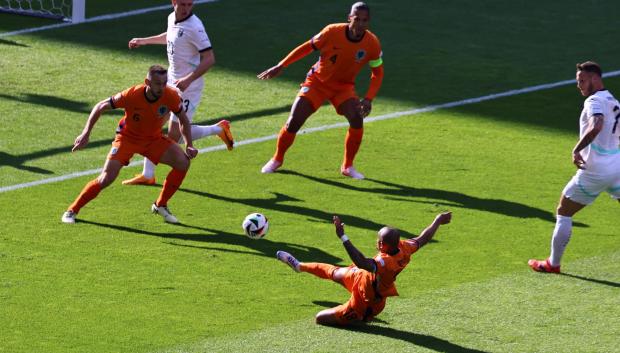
column 584, row 187
column 190, row 100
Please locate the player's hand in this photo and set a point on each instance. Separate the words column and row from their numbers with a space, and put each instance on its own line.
column 444, row 218
column 183, row 83
column 134, row 43
column 339, row 226
column 80, row 142
column 191, row 152
column 271, row 72
column 365, row 107
column 578, row 160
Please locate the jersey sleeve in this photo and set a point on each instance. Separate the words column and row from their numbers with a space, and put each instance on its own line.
column 409, row 246
column 319, row 41
column 200, row 39
column 593, row 106
column 174, row 101
column 120, row 99
column 375, row 54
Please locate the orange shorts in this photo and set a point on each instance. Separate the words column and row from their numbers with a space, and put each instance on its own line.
column 123, row 148
column 318, row 92
column 362, row 306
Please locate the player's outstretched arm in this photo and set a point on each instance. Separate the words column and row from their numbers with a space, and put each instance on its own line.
column 138, row 42
column 358, row 258
column 297, row 53
column 428, row 233
column 82, row 140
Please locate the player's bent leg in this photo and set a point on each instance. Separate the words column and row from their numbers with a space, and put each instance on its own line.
column 353, row 140
column 176, row 158
column 300, row 111
column 328, row 317
column 92, row 189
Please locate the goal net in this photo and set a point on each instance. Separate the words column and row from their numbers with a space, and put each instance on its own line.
column 65, row 10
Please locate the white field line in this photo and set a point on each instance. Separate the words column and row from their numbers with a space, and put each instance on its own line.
column 97, row 19
column 427, row 109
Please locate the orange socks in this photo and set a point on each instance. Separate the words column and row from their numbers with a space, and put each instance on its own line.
column 171, row 185
column 321, row 270
column 285, row 140
column 90, row 191
column 351, row 145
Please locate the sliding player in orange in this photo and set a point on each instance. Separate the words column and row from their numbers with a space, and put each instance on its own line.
column 147, row 108
column 344, row 49
column 370, row 281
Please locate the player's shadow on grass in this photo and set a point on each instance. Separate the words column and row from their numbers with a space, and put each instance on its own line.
column 247, row 116
column 593, row 280
column 19, row 161
column 426, row 341
column 13, row 43
column 277, row 203
column 263, row 247
column 399, row 192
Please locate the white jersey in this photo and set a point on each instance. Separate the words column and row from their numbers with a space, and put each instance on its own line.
column 186, row 40
column 602, row 156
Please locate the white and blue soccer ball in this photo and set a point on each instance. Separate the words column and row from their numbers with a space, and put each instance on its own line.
column 255, row 225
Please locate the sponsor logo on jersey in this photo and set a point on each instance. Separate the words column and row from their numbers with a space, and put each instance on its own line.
column 359, row 56
column 180, row 34
column 162, row 110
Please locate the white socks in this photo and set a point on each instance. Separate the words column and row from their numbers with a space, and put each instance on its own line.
column 148, row 170
column 561, row 236
column 200, row 131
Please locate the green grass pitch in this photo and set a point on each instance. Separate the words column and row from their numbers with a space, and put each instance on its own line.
column 121, row 280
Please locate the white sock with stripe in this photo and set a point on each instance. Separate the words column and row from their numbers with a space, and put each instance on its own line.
column 561, row 237
column 200, row 131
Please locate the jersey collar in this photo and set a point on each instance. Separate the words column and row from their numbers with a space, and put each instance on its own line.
column 184, row 19
column 147, row 97
column 346, row 31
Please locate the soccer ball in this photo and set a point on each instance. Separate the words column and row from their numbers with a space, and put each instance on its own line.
column 255, row 225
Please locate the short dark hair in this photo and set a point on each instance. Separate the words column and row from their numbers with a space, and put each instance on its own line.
column 156, row 70
column 360, row 6
column 590, row 66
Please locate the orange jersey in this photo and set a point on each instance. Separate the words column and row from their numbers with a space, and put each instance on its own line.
column 389, row 266
column 144, row 119
column 341, row 58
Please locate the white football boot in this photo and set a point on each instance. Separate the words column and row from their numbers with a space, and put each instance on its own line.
column 271, row 166
column 352, row 172
column 288, row 259
column 68, row 217
column 164, row 212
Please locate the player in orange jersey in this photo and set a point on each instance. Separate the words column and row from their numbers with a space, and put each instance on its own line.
column 369, row 280
column 147, row 107
column 344, row 49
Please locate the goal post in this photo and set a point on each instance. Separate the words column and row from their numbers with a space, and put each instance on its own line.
column 65, row 10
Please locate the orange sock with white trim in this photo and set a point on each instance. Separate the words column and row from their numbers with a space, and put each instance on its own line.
column 318, row 269
column 171, row 185
column 352, row 143
column 285, row 140
column 89, row 192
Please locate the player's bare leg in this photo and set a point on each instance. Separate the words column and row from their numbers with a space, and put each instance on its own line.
column 175, row 158
column 567, row 208
column 351, row 110
column 327, row 317
column 300, row 112
column 111, row 168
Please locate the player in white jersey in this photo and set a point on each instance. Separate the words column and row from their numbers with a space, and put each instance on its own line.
column 190, row 56
column 597, row 155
